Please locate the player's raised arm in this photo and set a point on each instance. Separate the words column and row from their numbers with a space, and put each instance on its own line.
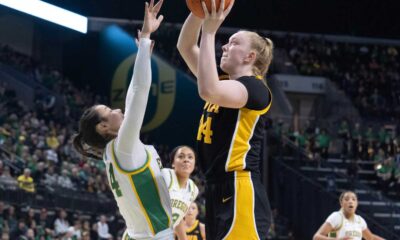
column 128, row 141
column 187, row 42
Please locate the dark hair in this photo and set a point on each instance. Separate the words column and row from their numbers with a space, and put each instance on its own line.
column 344, row 193
column 176, row 149
column 87, row 135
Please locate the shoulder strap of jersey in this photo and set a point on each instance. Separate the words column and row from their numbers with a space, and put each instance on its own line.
column 193, row 227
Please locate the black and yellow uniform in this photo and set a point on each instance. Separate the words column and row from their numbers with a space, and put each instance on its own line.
column 194, row 232
column 229, row 146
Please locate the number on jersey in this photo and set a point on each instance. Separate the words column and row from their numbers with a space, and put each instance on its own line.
column 205, row 130
column 114, row 182
column 175, row 217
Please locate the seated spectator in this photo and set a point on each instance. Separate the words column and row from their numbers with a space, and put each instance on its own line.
column 51, row 156
column 39, row 174
column 29, row 235
column 7, row 181
column 76, row 179
column 5, row 236
column 52, row 141
column 25, row 181
column 102, row 229
column 20, row 231
column 61, row 224
column 11, row 218
column 50, row 177
column 74, row 232
column 44, row 222
column 64, row 180
column 85, row 235
column 30, row 220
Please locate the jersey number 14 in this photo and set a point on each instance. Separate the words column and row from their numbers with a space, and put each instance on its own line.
column 205, row 130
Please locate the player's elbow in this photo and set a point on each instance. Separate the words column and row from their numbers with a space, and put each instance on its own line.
column 182, row 48
column 206, row 94
column 315, row 237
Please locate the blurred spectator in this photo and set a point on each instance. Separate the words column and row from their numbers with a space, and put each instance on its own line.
column 11, row 219
column 52, row 141
column 102, row 229
column 30, row 234
column 50, row 177
column 61, row 224
column 30, row 220
column 39, row 173
column 25, row 181
column 7, row 181
column 74, row 232
column 20, row 231
column 64, row 180
column 44, row 222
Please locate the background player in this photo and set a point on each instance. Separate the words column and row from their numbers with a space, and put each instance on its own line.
column 195, row 230
column 182, row 190
column 345, row 224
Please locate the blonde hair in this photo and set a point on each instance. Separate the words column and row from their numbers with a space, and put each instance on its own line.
column 264, row 49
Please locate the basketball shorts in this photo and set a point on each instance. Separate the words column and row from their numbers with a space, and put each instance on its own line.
column 237, row 208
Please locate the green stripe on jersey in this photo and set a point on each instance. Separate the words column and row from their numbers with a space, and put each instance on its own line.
column 147, row 191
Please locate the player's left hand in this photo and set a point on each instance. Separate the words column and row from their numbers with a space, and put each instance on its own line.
column 151, row 22
column 213, row 20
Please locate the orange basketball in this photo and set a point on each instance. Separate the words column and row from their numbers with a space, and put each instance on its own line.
column 196, row 8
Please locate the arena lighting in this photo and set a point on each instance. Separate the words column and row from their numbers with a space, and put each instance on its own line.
column 50, row 13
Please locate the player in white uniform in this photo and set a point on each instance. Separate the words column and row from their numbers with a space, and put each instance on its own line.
column 132, row 168
column 345, row 224
column 182, row 190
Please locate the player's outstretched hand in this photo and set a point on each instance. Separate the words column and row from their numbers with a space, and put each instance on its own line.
column 151, row 22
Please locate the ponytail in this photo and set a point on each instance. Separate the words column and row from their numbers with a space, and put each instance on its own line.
column 89, row 152
column 88, row 141
column 264, row 49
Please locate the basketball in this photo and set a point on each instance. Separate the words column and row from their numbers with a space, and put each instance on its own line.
column 196, row 8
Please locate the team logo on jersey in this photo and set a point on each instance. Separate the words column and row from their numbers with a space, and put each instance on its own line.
column 163, row 89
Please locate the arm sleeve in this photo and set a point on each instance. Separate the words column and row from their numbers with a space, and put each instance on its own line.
column 128, row 145
column 334, row 220
column 259, row 95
